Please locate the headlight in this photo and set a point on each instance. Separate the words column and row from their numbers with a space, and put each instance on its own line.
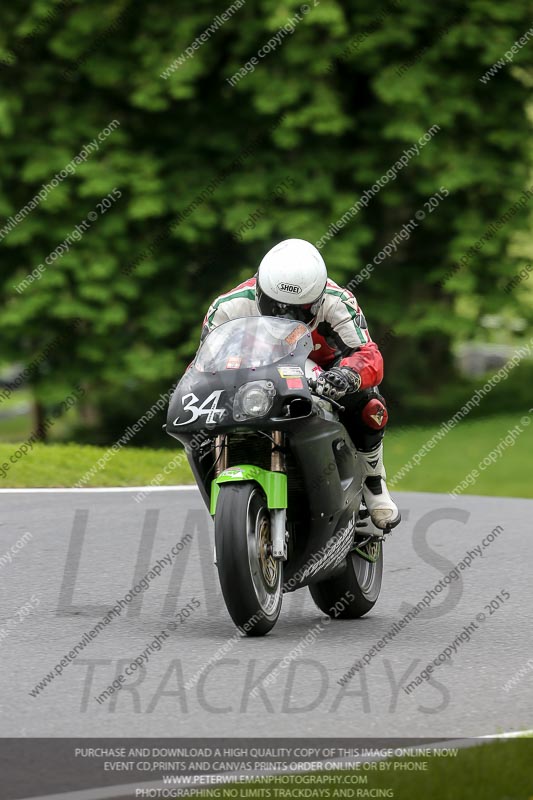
column 253, row 399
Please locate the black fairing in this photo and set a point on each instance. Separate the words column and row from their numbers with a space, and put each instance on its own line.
column 323, row 476
column 203, row 384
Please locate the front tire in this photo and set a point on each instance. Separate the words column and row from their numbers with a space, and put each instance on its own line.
column 250, row 578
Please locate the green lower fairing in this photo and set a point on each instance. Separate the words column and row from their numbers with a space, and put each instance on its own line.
column 274, row 484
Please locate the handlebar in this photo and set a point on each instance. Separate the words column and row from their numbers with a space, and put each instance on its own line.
column 312, row 387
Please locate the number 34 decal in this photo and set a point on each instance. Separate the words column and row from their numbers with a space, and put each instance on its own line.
column 208, row 409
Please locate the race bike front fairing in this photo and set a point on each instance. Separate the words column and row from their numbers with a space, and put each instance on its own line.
column 256, row 364
column 248, row 384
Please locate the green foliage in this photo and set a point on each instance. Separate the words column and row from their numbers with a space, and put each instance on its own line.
column 194, row 156
column 512, row 395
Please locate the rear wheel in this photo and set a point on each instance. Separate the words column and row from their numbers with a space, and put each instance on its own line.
column 250, row 578
column 354, row 592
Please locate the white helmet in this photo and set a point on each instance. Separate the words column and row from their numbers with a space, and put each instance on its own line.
column 291, row 281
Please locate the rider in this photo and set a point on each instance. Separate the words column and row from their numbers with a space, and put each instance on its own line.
column 292, row 282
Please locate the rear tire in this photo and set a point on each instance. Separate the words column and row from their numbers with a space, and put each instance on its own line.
column 360, row 580
column 250, row 579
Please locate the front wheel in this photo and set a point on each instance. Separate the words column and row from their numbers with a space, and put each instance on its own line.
column 353, row 592
column 250, row 578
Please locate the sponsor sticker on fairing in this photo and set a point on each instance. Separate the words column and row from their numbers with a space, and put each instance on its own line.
column 296, row 334
column 290, row 371
column 232, row 472
column 294, row 383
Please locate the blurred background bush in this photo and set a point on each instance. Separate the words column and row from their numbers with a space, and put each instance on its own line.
column 212, row 175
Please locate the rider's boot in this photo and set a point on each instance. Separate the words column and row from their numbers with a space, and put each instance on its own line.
column 383, row 510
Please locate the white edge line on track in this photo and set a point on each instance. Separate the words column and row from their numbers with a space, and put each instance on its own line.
column 108, row 792
column 509, row 735
column 63, row 489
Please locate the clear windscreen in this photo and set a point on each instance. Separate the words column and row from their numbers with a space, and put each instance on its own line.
column 249, row 342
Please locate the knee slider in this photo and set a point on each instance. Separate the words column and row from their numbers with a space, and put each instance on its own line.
column 375, row 414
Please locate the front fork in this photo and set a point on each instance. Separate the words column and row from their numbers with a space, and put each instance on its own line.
column 221, row 455
column 278, row 516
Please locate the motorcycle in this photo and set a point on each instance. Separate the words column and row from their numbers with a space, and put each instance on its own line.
column 278, row 473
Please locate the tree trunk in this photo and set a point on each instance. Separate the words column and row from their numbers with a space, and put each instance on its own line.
column 39, row 419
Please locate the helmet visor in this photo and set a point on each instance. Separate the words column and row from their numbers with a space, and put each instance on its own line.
column 306, row 312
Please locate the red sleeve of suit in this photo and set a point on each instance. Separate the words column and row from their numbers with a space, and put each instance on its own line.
column 368, row 362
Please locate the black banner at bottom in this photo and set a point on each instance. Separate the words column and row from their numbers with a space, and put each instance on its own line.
column 83, row 769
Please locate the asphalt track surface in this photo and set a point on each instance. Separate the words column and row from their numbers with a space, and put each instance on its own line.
column 88, row 549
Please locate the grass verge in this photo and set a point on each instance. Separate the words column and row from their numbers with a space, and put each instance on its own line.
column 444, row 466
